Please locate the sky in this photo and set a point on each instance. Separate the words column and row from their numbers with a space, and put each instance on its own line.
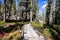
column 41, row 5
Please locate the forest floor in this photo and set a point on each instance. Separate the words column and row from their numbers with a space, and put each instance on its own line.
column 10, row 30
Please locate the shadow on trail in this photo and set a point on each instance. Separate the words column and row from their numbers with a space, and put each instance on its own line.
column 22, row 38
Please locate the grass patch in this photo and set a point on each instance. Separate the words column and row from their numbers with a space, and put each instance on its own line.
column 2, row 23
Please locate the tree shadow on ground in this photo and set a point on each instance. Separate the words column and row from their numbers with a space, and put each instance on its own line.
column 17, row 20
column 8, row 29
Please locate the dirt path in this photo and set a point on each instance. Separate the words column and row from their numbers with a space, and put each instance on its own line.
column 29, row 33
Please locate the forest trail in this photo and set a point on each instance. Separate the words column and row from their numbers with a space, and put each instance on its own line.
column 29, row 33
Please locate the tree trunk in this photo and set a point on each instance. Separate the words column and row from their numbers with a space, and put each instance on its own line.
column 31, row 13
column 48, row 12
column 4, row 16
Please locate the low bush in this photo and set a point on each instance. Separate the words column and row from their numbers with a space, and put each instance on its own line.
column 47, row 33
column 35, row 24
column 12, row 36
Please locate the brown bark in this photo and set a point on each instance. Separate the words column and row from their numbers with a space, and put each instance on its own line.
column 4, row 16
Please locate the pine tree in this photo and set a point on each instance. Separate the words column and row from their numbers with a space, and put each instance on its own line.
column 4, row 17
column 8, row 7
column 57, row 13
column 34, row 8
column 13, row 7
column 0, row 6
column 48, row 8
column 30, row 9
column 51, row 12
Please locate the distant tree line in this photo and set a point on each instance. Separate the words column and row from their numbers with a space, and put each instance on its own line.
column 26, row 9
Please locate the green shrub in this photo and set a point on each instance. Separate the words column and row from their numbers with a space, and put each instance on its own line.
column 54, row 31
column 41, row 25
column 47, row 33
column 34, row 24
column 56, row 26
